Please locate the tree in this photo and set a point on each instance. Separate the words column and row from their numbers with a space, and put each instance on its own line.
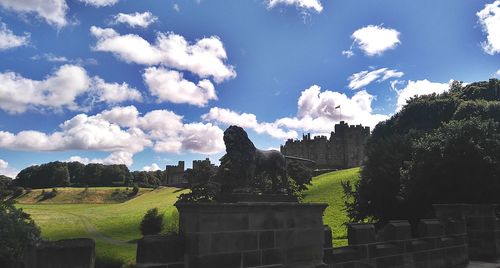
column 300, row 174
column 6, row 187
column 152, row 223
column 201, row 175
column 404, row 172
column 17, row 231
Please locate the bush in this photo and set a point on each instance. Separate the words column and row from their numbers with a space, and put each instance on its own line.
column 17, row 231
column 152, row 222
column 48, row 195
column 135, row 190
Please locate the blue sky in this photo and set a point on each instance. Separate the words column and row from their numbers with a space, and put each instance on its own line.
column 147, row 83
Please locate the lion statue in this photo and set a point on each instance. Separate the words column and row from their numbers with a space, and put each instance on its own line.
column 248, row 162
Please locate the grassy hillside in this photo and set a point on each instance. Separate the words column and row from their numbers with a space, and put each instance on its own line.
column 91, row 195
column 114, row 226
column 95, row 213
column 326, row 188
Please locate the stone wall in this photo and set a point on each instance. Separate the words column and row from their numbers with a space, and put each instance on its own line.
column 252, row 234
column 174, row 174
column 393, row 246
column 68, row 253
column 166, row 251
column 344, row 148
column 479, row 222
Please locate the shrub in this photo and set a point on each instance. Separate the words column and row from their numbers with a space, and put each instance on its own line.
column 152, row 222
column 17, row 232
column 135, row 190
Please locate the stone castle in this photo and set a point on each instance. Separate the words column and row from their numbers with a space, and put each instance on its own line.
column 344, row 148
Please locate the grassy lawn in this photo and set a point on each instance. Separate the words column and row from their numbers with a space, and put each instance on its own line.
column 73, row 210
column 326, row 188
column 119, row 221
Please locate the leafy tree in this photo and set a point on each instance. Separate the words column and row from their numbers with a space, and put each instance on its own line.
column 17, row 231
column 6, row 187
column 405, row 171
column 152, row 222
column 300, row 174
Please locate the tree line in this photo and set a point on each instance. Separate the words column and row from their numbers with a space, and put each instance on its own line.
column 76, row 174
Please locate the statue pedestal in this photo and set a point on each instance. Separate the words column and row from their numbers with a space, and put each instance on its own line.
column 252, row 234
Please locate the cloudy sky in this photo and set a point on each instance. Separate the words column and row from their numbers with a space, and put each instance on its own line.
column 147, row 83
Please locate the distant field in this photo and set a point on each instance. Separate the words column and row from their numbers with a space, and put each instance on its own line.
column 95, row 213
column 326, row 188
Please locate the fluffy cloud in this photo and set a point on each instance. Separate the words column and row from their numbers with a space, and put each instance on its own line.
column 167, row 130
column 115, row 93
column 52, row 11
column 135, row 19
column 6, row 170
column 56, row 91
column 59, row 90
column 489, row 17
column 317, row 112
column 302, row 4
column 246, row 120
column 169, row 85
column 153, row 167
column 100, row 3
column 205, row 58
column 115, row 158
column 374, row 40
column 9, row 40
column 364, row 78
column 418, row 88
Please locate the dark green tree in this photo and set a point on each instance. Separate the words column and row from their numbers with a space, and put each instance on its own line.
column 17, row 231
column 152, row 223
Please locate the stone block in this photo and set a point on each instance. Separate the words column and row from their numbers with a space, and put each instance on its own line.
column 223, row 222
column 266, row 240
column 229, row 260
column 160, row 249
column 418, row 245
column 360, row 233
column 252, row 258
column 78, row 252
column 345, row 254
column 385, row 249
column 273, row 256
column 391, row 261
column 233, row 241
column 430, row 228
column 197, row 243
column 328, row 243
column 395, row 230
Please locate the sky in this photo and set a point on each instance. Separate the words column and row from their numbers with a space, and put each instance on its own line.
column 148, row 83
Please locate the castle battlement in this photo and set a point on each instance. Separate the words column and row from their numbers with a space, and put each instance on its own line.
column 343, row 149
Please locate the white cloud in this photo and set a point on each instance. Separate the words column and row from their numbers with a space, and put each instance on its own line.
column 246, row 120
column 418, row 88
column 115, row 158
column 497, row 74
column 52, row 11
column 348, row 53
column 6, row 170
column 100, row 3
column 317, row 112
column 302, row 4
column 153, row 167
column 205, row 58
column 364, row 78
column 59, row 90
column 169, row 85
column 375, row 40
column 9, row 40
column 50, row 57
column 135, row 19
column 176, row 7
column 489, row 17
column 115, row 93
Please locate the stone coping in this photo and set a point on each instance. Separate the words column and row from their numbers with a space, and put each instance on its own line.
column 250, row 205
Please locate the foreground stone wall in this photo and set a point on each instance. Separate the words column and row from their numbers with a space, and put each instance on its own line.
column 69, row 253
column 252, row 234
column 394, row 247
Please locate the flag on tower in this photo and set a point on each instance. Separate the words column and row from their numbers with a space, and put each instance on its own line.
column 337, row 107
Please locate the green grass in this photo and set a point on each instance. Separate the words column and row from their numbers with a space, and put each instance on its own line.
column 63, row 216
column 117, row 221
column 326, row 188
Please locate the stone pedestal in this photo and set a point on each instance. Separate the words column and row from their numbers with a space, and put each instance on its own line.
column 252, row 234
